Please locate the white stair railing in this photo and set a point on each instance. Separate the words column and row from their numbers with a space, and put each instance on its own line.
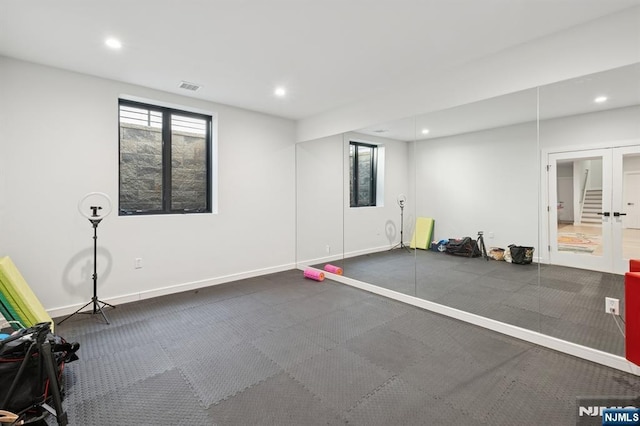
column 584, row 194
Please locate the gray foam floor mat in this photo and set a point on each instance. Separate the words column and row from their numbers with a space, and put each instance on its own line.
column 315, row 353
column 526, row 296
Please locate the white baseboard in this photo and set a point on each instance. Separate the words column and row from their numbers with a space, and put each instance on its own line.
column 318, row 260
column 583, row 352
column 177, row 288
column 341, row 256
column 362, row 252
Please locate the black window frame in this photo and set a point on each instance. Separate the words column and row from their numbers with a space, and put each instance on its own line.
column 167, row 112
column 373, row 184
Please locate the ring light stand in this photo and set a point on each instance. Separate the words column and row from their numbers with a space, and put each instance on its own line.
column 95, row 206
column 402, row 200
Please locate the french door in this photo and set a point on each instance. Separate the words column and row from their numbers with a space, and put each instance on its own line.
column 594, row 208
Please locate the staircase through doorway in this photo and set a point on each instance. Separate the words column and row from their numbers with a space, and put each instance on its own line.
column 592, row 206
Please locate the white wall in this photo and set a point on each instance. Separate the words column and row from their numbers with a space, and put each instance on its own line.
column 595, row 174
column 565, row 170
column 482, row 181
column 591, row 130
column 631, row 164
column 59, row 140
column 324, row 216
column 319, row 187
column 579, row 173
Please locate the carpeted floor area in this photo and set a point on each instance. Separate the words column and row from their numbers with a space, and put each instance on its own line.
column 284, row 350
column 562, row 302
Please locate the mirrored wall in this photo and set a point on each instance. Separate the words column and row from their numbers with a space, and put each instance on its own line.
column 555, row 169
column 589, row 133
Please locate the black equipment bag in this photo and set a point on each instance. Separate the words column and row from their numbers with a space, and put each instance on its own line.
column 24, row 382
column 521, row 255
column 463, row 247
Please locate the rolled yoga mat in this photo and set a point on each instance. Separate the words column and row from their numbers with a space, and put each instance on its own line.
column 313, row 274
column 333, row 269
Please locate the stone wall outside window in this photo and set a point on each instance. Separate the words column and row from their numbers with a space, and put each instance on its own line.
column 141, row 169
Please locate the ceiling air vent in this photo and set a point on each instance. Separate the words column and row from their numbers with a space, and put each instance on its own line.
column 189, row 86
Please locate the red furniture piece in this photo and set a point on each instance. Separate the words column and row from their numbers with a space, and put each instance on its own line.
column 632, row 311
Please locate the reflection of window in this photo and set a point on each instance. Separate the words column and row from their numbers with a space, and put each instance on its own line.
column 363, row 170
column 165, row 164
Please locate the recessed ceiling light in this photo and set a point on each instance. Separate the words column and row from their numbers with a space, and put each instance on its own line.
column 425, row 131
column 113, row 43
column 600, row 99
column 280, row 92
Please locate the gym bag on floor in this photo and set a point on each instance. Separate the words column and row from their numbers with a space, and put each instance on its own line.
column 24, row 382
column 521, row 255
column 463, row 247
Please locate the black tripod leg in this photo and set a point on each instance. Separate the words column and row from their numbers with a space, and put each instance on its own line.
column 106, row 304
column 484, row 249
column 99, row 309
column 76, row 312
column 54, row 386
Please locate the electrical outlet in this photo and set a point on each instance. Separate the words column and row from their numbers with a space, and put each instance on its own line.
column 137, row 263
column 612, row 305
column 328, row 248
column 490, row 234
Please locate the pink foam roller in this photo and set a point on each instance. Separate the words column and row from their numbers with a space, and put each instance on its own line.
column 333, row 269
column 313, row 274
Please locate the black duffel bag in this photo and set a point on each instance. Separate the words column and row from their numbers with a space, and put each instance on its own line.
column 466, row 246
column 521, row 255
column 23, row 351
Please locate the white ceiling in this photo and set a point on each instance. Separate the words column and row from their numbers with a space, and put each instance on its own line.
column 621, row 86
column 328, row 53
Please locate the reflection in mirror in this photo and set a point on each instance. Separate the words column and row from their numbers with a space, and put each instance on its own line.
column 380, row 207
column 478, row 178
column 590, row 139
column 478, row 168
column 554, row 169
column 473, row 169
column 319, row 202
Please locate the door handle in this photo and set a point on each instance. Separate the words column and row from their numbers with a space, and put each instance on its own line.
column 616, row 214
column 630, row 204
column 606, row 214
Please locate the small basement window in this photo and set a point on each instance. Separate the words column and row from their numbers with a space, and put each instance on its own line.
column 165, row 160
column 363, row 174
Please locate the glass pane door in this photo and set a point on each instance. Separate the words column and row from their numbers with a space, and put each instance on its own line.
column 579, row 209
column 594, row 208
column 626, row 206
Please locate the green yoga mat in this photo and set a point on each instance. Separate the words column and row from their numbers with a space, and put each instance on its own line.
column 422, row 235
column 7, row 311
column 19, row 296
column 14, row 311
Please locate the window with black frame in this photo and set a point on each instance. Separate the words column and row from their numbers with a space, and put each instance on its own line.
column 165, row 160
column 363, row 171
